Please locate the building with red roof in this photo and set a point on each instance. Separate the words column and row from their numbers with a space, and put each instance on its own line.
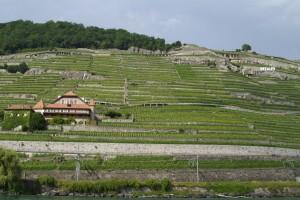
column 69, row 105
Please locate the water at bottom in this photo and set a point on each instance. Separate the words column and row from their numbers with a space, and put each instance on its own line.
column 99, row 198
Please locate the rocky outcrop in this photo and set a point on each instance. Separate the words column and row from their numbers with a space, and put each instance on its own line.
column 75, row 75
column 194, row 55
column 270, row 61
column 20, row 96
column 145, row 51
column 266, row 71
column 244, row 63
column 36, row 71
column 79, row 75
column 249, row 96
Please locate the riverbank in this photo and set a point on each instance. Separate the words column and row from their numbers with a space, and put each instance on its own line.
column 49, row 186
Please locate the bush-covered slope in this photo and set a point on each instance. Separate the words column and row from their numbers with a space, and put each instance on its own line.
column 18, row 35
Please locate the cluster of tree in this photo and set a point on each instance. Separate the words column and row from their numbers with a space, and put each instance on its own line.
column 113, row 114
column 22, row 68
column 61, row 120
column 1, row 115
column 10, row 173
column 37, row 122
column 19, row 35
column 245, row 47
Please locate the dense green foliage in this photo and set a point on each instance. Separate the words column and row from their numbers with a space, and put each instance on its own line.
column 47, row 181
column 246, row 47
column 113, row 114
column 1, row 115
column 13, row 119
column 14, row 68
column 18, row 35
column 240, row 188
column 10, row 170
column 37, row 122
column 61, row 120
column 114, row 185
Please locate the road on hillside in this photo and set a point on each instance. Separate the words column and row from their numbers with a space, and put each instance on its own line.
column 145, row 149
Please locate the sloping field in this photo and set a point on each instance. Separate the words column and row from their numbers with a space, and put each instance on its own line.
column 170, row 103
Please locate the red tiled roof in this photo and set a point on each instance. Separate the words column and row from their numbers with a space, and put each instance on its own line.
column 20, row 107
column 92, row 102
column 70, row 94
column 68, row 106
column 39, row 105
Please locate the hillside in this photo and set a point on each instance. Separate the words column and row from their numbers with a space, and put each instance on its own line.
column 213, row 97
column 22, row 35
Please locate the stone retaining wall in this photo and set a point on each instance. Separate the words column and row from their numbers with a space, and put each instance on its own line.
column 146, row 149
column 67, row 128
column 177, row 175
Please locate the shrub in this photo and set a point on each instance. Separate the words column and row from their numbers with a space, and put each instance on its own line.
column 99, row 160
column 153, row 184
column 127, row 115
column 13, row 119
column 246, row 47
column 1, row 115
column 37, row 122
column 22, row 68
column 25, row 128
column 113, row 114
column 58, row 120
column 61, row 121
column 12, row 69
column 70, row 121
column 166, row 185
column 59, row 158
column 113, row 185
column 47, row 181
column 10, row 173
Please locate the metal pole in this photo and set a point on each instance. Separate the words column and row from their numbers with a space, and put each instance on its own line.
column 77, row 170
column 197, row 168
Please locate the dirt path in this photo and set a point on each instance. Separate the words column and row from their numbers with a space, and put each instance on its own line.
column 146, row 149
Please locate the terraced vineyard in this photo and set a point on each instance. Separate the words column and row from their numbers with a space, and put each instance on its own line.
column 170, row 103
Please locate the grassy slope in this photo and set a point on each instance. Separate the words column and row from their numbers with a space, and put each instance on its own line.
column 49, row 162
column 156, row 80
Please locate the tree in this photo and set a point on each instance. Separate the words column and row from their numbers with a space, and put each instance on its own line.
column 10, row 170
column 12, row 68
column 246, row 47
column 21, row 35
column 23, row 67
column 113, row 114
column 58, row 120
column 37, row 122
column 1, row 115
